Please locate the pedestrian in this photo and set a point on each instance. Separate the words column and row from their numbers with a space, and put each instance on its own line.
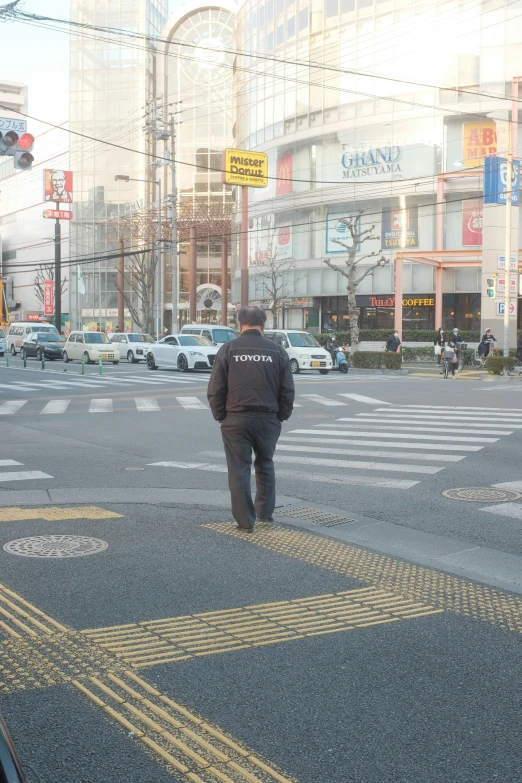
column 519, row 347
column 451, row 355
column 393, row 343
column 439, row 344
column 251, row 392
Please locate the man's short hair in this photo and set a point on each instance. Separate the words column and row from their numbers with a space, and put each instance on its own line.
column 251, row 316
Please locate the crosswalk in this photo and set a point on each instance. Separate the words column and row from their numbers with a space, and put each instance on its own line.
column 7, row 476
column 390, row 448
column 37, row 382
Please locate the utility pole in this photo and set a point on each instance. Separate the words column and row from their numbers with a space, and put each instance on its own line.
column 58, row 273
column 174, row 225
column 507, row 275
column 159, row 271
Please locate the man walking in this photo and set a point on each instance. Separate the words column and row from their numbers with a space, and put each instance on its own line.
column 250, row 392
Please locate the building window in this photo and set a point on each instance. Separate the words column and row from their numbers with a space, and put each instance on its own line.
column 303, row 18
column 290, row 27
column 280, row 34
column 331, row 8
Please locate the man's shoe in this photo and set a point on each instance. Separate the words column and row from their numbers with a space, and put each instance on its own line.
column 246, row 529
column 270, row 519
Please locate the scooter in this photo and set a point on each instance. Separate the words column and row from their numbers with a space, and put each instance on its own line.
column 340, row 362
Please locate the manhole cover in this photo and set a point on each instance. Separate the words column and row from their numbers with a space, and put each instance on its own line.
column 322, row 518
column 316, row 416
column 482, row 494
column 55, row 546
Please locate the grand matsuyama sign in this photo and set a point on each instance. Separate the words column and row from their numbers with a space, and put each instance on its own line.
column 371, row 162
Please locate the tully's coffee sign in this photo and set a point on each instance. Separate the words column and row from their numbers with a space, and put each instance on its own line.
column 389, row 301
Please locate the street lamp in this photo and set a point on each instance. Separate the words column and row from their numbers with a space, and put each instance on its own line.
column 126, row 178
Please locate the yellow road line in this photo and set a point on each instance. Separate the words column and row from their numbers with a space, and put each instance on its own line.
column 55, row 514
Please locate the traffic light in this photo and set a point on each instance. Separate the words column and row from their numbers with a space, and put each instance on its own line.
column 19, row 147
column 491, row 287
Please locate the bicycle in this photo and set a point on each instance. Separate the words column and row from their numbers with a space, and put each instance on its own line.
column 444, row 365
column 480, row 361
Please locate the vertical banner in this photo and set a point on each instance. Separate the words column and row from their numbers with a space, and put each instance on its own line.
column 284, row 168
column 400, row 228
column 472, row 222
column 48, row 295
column 478, row 140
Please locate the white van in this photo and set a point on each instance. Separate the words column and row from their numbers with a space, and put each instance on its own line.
column 216, row 334
column 303, row 349
column 21, row 329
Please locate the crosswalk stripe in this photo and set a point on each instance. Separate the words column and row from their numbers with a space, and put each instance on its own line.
column 469, row 413
column 24, row 475
column 11, row 406
column 363, row 481
column 459, row 408
column 191, row 403
column 100, row 406
column 461, row 418
column 433, row 420
column 311, row 448
column 350, row 441
column 56, row 406
column 47, row 385
column 363, row 398
column 400, row 426
column 146, row 404
column 322, row 400
column 513, row 510
column 344, row 463
column 297, row 405
column 354, row 433
column 5, row 463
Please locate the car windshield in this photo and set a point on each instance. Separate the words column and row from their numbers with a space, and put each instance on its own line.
column 222, row 335
column 49, row 337
column 202, row 340
column 52, row 329
column 97, row 337
column 184, row 339
column 140, row 338
column 302, row 340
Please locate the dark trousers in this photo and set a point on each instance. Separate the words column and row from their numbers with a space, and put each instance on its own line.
column 243, row 434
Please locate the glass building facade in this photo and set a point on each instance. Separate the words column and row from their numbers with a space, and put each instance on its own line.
column 360, row 105
column 111, row 80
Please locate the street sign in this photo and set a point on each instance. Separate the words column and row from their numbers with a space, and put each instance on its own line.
column 501, row 285
column 495, row 181
column 48, row 293
column 59, row 214
column 512, row 309
column 12, row 124
column 245, row 167
column 501, row 263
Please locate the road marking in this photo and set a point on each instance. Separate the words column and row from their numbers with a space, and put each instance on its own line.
column 11, row 406
column 311, row 448
column 342, row 463
column 364, row 481
column 459, row 408
column 322, row 400
column 45, row 385
column 56, row 406
column 24, row 475
column 461, row 419
column 56, row 514
column 101, row 406
column 333, row 439
column 191, row 403
column 516, row 485
column 146, row 404
column 513, row 510
column 482, row 412
column 19, row 387
column 5, row 463
column 362, row 398
column 400, row 425
column 355, row 433
column 395, row 418
column 450, row 593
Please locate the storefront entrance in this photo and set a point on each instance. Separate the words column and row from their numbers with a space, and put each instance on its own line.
column 378, row 312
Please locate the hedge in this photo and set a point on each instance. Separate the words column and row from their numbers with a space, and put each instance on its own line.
column 408, row 336
column 377, row 360
column 495, row 364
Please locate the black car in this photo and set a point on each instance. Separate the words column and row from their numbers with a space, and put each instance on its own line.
column 43, row 344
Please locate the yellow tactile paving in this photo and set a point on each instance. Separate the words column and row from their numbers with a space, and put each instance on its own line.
column 55, row 514
column 407, row 580
column 151, row 643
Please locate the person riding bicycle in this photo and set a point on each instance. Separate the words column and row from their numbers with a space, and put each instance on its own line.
column 451, row 355
column 487, row 341
column 457, row 339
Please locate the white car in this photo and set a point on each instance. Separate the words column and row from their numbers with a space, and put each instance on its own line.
column 303, row 349
column 132, row 345
column 183, row 352
column 91, row 347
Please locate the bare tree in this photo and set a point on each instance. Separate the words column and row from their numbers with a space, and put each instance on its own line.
column 358, row 237
column 272, row 270
column 138, row 293
column 46, row 273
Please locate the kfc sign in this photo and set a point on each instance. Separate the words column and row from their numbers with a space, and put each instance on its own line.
column 284, row 168
column 48, row 297
column 58, row 186
column 472, row 222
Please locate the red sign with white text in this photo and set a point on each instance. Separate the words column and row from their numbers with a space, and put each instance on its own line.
column 284, row 169
column 60, row 214
column 48, row 292
column 472, row 222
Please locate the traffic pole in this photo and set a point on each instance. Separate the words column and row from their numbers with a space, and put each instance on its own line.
column 58, row 274
column 100, row 365
column 83, row 366
column 507, row 274
column 244, row 246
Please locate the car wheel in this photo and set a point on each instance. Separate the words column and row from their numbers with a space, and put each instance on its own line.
column 182, row 363
column 117, row 362
column 131, row 358
column 13, row 350
column 86, row 358
column 66, row 357
column 324, row 372
column 294, row 366
column 151, row 364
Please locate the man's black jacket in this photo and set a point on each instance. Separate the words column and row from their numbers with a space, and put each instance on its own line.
column 251, row 374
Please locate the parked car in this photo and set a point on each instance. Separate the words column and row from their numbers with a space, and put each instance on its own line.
column 3, row 343
column 43, row 344
column 216, row 334
column 183, row 351
column 90, row 346
column 20, row 330
column 303, row 349
column 133, row 345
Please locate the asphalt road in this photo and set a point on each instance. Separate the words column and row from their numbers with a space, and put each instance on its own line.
column 180, row 650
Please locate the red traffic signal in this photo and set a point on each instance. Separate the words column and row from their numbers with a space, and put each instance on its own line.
column 26, row 141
